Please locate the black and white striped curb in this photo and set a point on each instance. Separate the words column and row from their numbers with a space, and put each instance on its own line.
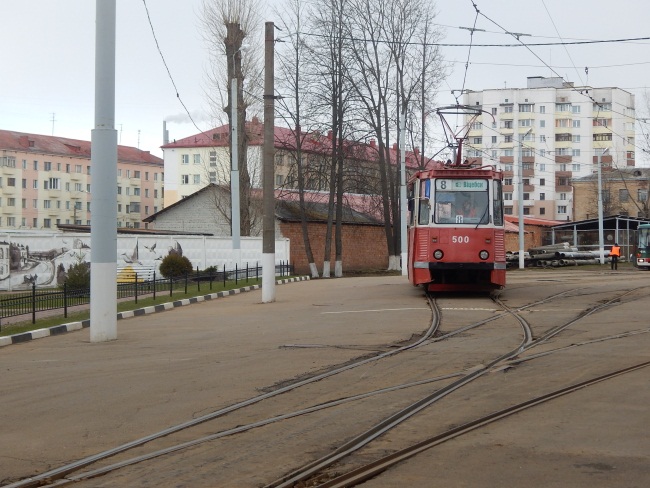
column 62, row 329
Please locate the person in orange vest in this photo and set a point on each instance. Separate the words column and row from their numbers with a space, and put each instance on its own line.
column 614, row 254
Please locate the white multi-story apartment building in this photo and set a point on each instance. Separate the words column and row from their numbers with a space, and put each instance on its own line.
column 46, row 181
column 546, row 134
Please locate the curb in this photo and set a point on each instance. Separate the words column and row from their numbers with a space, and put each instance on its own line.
column 72, row 326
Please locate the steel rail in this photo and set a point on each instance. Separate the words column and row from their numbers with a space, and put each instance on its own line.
column 358, row 475
column 57, row 473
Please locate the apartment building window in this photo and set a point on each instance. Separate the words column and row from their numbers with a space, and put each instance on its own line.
column 128, row 191
column 185, row 159
column 475, row 126
column 35, row 222
column 562, row 167
column 508, row 109
column 563, row 137
column 526, row 122
column 213, row 158
column 146, row 192
column 563, row 122
column 47, row 204
column 478, row 140
column 146, row 175
column 599, row 151
column 494, row 110
column 507, row 124
column 526, row 196
column 279, row 180
column 87, row 170
column 47, row 166
column 576, row 138
column 507, row 167
column 507, row 181
column 507, row 196
column 603, row 137
column 213, row 176
column 196, row 179
column 35, row 184
column 119, row 207
column 575, row 124
column 563, row 107
column 542, row 123
column 494, row 139
column 24, row 203
column 35, row 165
column 77, row 168
column 146, row 209
column 155, row 193
column 542, row 109
column 24, row 167
column 542, row 211
column 602, row 122
column 508, row 152
column 119, row 190
column 561, row 209
column 642, row 195
column 526, row 181
column 11, row 221
column 185, row 179
column 562, row 151
column 67, row 167
column 575, row 109
column 528, row 166
column 602, row 106
column 47, row 223
column 507, row 138
column 493, row 153
column 542, row 181
column 136, row 174
column 24, row 183
column 562, row 196
column 11, row 181
column 35, row 203
column 11, row 202
column 507, row 210
column 155, row 209
column 155, row 176
column 196, row 158
column 128, row 210
column 542, row 138
column 575, row 167
column 623, row 195
column 136, row 192
column 526, row 211
column 563, row 181
column 526, row 107
column 542, row 196
column 52, row 184
column 528, row 153
column 135, row 207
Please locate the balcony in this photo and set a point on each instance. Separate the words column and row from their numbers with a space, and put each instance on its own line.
column 563, row 159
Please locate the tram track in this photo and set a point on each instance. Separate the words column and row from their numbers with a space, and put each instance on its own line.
column 61, row 476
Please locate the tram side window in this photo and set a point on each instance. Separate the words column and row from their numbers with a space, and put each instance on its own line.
column 424, row 211
column 498, row 203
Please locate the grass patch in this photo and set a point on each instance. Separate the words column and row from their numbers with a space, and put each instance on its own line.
column 125, row 305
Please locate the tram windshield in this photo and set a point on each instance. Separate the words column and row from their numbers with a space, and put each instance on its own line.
column 461, row 201
column 644, row 237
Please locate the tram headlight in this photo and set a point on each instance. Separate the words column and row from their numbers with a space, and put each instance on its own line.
column 484, row 255
column 438, row 254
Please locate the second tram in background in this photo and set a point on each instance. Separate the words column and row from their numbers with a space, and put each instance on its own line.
column 643, row 246
column 456, row 237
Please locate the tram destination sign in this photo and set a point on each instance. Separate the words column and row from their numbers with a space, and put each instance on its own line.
column 461, row 185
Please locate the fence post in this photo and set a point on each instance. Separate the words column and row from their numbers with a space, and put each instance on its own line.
column 154, row 285
column 170, row 286
column 198, row 280
column 34, row 302
column 236, row 273
column 136, row 287
column 65, row 299
column 246, row 272
column 257, row 270
column 186, row 282
column 224, row 275
column 210, row 275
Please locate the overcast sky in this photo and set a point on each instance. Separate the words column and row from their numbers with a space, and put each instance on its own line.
column 47, row 58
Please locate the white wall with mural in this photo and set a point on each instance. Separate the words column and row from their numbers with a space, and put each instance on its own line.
column 43, row 258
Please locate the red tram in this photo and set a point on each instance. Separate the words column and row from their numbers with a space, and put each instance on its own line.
column 456, row 238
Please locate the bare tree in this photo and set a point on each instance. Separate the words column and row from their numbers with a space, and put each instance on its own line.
column 226, row 23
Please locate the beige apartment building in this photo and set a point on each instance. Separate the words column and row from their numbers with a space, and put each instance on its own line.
column 547, row 134
column 46, row 181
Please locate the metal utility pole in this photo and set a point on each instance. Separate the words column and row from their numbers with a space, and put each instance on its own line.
column 601, row 239
column 234, row 175
column 103, row 236
column 402, row 195
column 520, row 186
column 268, row 224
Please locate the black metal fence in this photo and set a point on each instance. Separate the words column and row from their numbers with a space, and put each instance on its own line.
column 132, row 286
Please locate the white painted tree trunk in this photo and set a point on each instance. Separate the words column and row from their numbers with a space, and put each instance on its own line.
column 338, row 269
column 326, row 269
column 394, row 263
column 314, row 270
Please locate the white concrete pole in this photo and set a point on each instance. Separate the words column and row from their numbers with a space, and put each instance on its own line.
column 103, row 201
column 234, row 175
column 601, row 239
column 520, row 185
column 402, row 196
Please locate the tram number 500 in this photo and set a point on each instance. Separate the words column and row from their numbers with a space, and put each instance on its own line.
column 460, row 239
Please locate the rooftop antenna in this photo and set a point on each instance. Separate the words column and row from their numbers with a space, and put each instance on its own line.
column 138, row 138
column 53, row 120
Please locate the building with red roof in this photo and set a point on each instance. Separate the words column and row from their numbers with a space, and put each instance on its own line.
column 47, row 180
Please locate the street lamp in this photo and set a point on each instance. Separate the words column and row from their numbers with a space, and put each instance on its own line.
column 601, row 243
column 520, row 185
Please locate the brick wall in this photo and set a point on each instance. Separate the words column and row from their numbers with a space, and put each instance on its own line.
column 364, row 246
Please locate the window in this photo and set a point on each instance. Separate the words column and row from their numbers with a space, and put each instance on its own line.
column 561, row 209
column 146, row 209
column 67, row 167
column 136, row 192
column 507, row 138
column 575, row 167
column 35, row 222
column 542, row 167
column 279, row 180
column 155, row 176
column 24, row 203
column 507, row 181
column 11, row 181
column 475, row 126
column 196, row 179
column 494, row 139
column 563, row 137
column 526, row 211
column 136, row 174
column 213, row 158
column 563, row 181
column 507, row 124
column 47, row 204
column 602, row 137
column 602, row 122
column 575, row 109
column 493, row 154
column 507, row 210
column 526, row 196
column 47, row 223
column 642, row 195
column 455, row 204
column 542, row 196
column 35, row 203
column 562, row 196
column 507, row 167
column 528, row 153
column 542, row 123
column 542, row 181
column 562, row 107
column 47, row 166
column 128, row 191
column 602, row 106
column 196, row 158
column 507, row 196
column 494, row 110
column 562, row 167
column 542, row 211
column 575, row 124
column 146, row 175
column 185, row 179
column 185, row 159
column 119, row 190
column 87, row 170
column 213, row 176
column 11, row 221
column 526, row 123
column 563, row 123
column 526, row 107
column 508, row 109
column 542, row 109
column 576, row 138
column 77, row 168
column 623, row 195
column 508, row 152
column 562, row 151
column 24, row 167
column 146, row 192
column 11, row 202
column 542, row 138
column 527, row 166
column 35, row 184
column 526, row 181
column 477, row 140
column 35, row 168
column 52, row 184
